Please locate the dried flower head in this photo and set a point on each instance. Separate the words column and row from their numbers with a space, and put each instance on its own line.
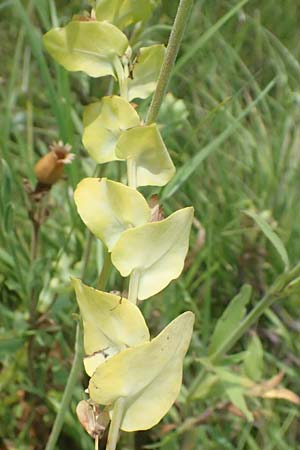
column 92, row 418
column 157, row 212
column 49, row 169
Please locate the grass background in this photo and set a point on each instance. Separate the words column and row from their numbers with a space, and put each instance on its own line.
column 236, row 57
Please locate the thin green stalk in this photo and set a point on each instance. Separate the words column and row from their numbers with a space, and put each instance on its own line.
column 180, row 22
column 105, row 272
column 114, row 429
column 131, row 173
column 134, row 286
column 68, row 392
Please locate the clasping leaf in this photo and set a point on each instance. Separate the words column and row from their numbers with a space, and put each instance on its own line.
column 110, row 324
column 87, row 46
column 123, row 12
column 146, row 71
column 148, row 376
column 155, row 250
column 145, row 146
column 103, row 123
column 108, row 208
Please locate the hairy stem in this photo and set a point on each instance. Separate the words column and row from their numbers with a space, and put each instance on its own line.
column 180, row 22
column 114, row 429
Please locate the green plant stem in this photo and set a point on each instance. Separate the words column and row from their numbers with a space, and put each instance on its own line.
column 68, row 392
column 277, row 291
column 105, row 272
column 180, row 22
column 114, row 428
column 134, row 286
column 131, row 173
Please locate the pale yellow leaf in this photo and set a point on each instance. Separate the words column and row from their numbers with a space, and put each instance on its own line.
column 156, row 251
column 103, row 123
column 146, row 71
column 110, row 323
column 123, row 12
column 145, row 146
column 89, row 46
column 108, row 208
column 148, row 377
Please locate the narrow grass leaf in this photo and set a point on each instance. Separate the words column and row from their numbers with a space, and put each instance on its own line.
column 271, row 236
column 206, row 36
column 190, row 166
column 230, row 319
column 254, row 359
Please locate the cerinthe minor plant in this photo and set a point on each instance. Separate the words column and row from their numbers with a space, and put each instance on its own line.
column 133, row 378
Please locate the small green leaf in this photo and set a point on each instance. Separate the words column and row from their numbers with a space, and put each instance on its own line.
column 10, row 344
column 87, row 46
column 156, row 251
column 146, row 71
column 123, row 12
column 145, row 146
column 8, row 217
column 254, row 359
column 230, row 319
column 110, row 324
column 109, row 208
column 206, row 387
column 148, row 377
column 273, row 237
column 103, row 122
column 6, row 182
column 236, row 396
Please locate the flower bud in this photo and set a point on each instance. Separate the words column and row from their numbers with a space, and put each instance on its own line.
column 49, row 169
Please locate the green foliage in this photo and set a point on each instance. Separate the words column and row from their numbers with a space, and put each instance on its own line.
column 230, row 319
column 253, row 359
column 235, row 58
column 273, row 238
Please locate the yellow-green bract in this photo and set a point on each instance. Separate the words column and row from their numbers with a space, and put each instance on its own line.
column 155, row 251
column 145, row 146
column 110, row 323
column 108, row 208
column 146, row 71
column 148, row 376
column 104, row 122
column 123, row 12
column 91, row 47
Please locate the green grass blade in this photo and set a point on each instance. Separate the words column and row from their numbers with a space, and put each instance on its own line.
column 190, row 166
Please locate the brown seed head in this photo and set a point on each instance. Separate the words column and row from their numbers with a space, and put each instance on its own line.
column 49, row 169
